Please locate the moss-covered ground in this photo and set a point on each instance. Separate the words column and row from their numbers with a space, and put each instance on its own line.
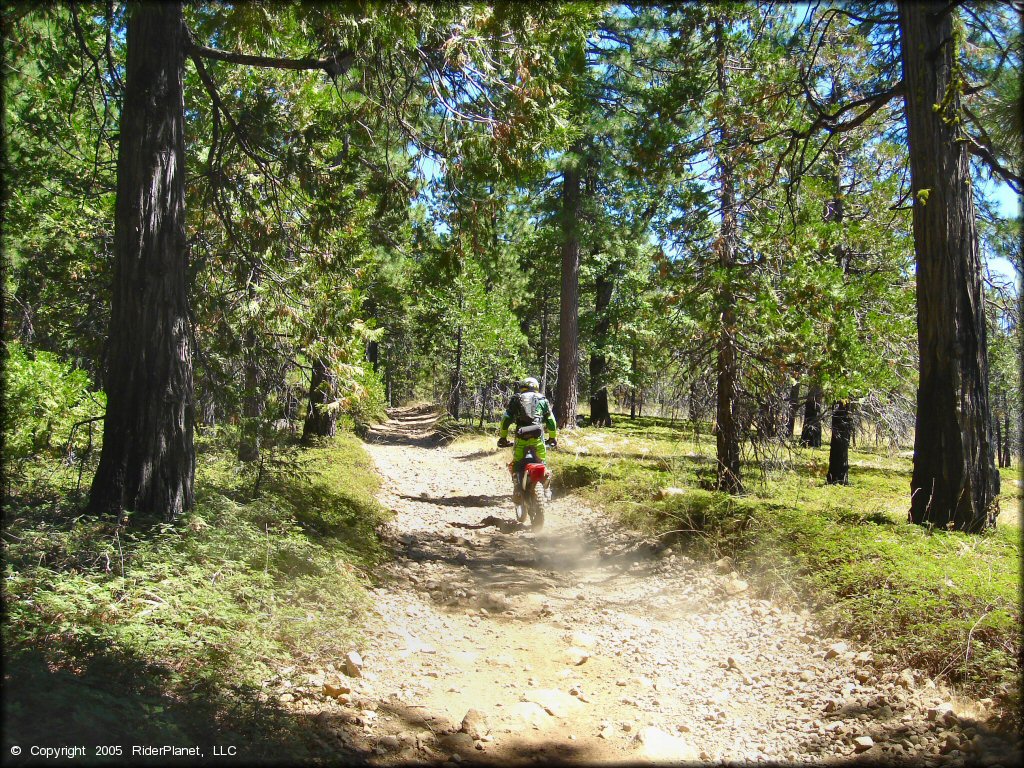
column 172, row 634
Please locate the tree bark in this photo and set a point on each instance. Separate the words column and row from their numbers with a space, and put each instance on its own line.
column 726, row 432
column 599, row 413
column 1007, row 457
column 632, row 384
column 839, row 448
column 794, row 406
column 567, row 389
column 999, row 443
column 842, row 423
column 252, row 402
column 321, row 420
column 955, row 481
column 544, row 343
column 454, row 395
column 148, row 460
column 208, row 410
column 373, row 354
column 810, row 431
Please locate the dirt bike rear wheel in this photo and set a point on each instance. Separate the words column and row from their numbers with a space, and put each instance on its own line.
column 520, row 511
column 535, row 505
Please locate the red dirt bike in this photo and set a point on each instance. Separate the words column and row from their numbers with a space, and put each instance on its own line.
column 534, row 489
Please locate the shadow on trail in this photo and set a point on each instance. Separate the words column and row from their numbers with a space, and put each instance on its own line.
column 503, row 525
column 115, row 700
column 413, row 427
column 483, row 452
column 515, row 751
column 429, row 440
column 508, row 557
column 472, row 500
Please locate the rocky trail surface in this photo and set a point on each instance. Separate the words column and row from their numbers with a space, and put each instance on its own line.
column 585, row 643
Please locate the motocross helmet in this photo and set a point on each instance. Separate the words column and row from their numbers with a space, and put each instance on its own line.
column 529, row 384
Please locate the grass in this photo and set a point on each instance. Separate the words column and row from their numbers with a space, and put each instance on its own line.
column 178, row 630
column 944, row 602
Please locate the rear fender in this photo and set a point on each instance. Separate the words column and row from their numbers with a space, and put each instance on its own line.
column 536, row 472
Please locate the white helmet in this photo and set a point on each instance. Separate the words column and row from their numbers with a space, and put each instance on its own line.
column 529, row 384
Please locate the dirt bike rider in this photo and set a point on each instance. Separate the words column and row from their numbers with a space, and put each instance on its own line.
column 529, row 410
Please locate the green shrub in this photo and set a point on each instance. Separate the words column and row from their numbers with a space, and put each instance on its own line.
column 369, row 404
column 235, row 590
column 47, row 405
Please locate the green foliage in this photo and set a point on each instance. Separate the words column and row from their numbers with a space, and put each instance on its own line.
column 59, row 177
column 239, row 587
column 368, row 404
column 409, row 210
column 49, row 409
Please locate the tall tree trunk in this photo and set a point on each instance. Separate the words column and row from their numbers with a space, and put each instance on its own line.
column 599, row 413
column 726, row 431
column 842, row 423
column 999, row 443
column 373, row 354
column 794, row 406
column 148, row 460
column 839, row 448
column 544, row 343
column 567, row 390
column 454, row 399
column 810, row 431
column 321, row 420
column 632, row 384
column 208, row 410
column 955, row 481
column 1006, row 434
column 252, row 402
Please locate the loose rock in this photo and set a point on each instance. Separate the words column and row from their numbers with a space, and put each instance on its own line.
column 576, row 656
column 863, row 743
column 943, row 713
column 528, row 714
column 837, row 649
column 475, row 724
column 335, row 687
column 735, row 586
column 555, row 703
column 658, row 746
column 353, row 664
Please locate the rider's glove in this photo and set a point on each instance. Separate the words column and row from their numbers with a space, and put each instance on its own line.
column 552, row 442
column 503, row 443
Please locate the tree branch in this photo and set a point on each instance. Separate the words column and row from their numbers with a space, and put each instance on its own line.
column 948, row 8
column 334, row 65
column 218, row 106
column 1014, row 180
column 888, row 19
column 874, row 102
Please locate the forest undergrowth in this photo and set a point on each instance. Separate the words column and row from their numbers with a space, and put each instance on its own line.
column 173, row 634
column 943, row 602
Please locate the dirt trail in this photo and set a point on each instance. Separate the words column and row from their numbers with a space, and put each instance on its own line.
column 586, row 643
